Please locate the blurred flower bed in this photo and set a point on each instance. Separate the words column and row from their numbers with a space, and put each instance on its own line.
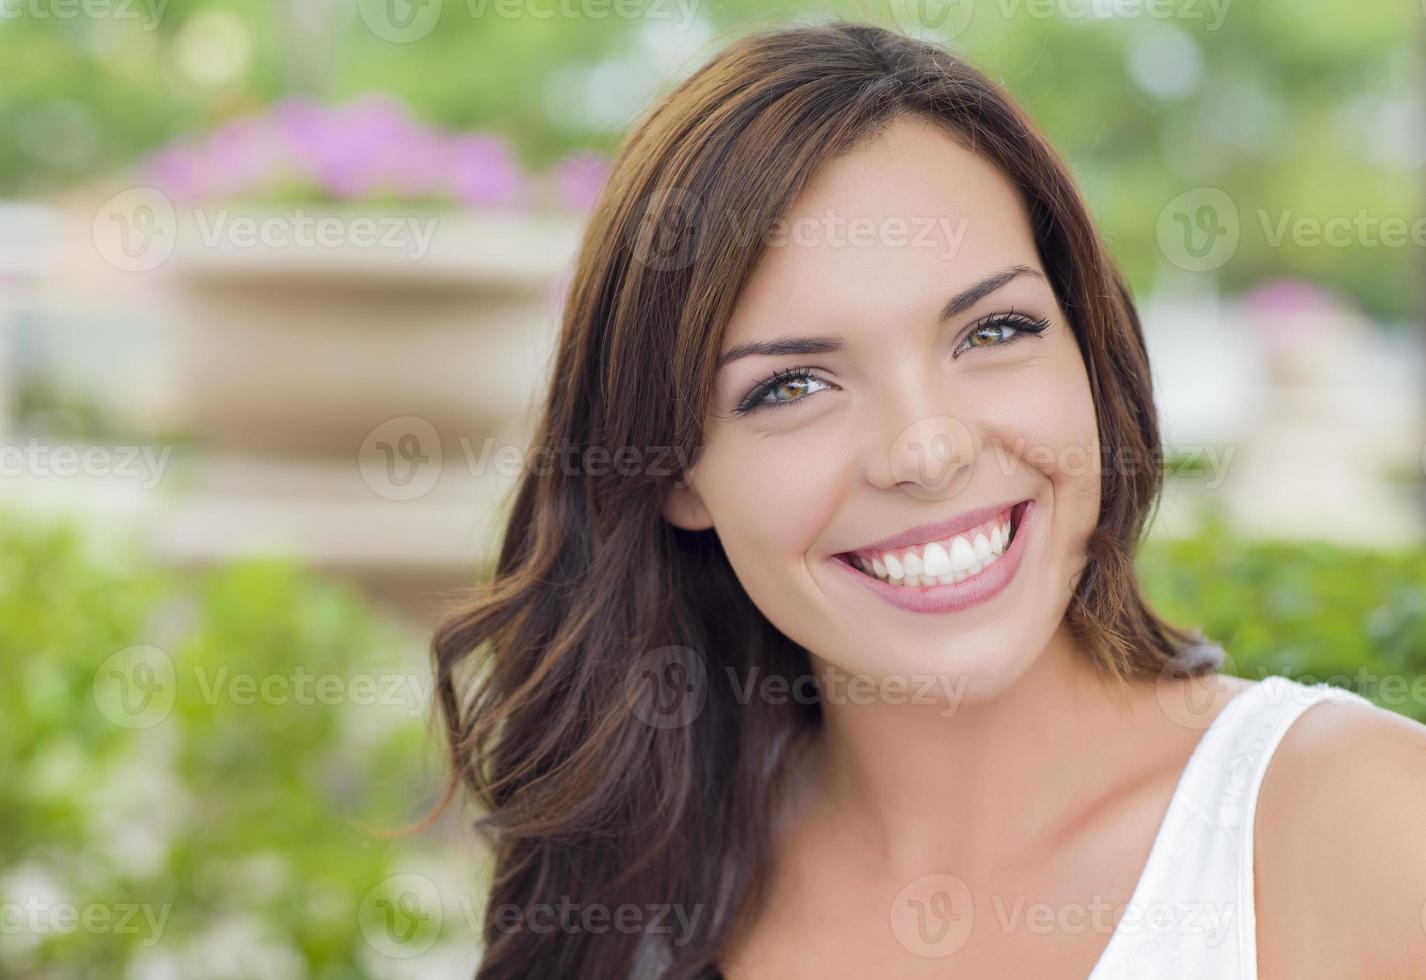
column 370, row 149
column 216, row 764
column 242, row 801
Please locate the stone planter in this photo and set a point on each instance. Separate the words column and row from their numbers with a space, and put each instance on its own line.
column 305, row 329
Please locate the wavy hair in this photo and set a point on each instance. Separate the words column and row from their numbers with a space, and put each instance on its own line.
column 540, row 670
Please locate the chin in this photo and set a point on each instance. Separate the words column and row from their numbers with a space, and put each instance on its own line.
column 958, row 673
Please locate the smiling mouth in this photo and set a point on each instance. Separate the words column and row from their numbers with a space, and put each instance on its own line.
column 943, row 561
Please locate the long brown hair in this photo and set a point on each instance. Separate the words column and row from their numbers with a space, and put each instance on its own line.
column 585, row 799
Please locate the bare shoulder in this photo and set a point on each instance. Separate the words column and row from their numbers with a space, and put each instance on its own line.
column 1340, row 862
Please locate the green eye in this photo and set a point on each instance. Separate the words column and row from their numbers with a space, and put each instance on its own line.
column 996, row 326
column 795, row 382
column 792, row 385
column 986, row 331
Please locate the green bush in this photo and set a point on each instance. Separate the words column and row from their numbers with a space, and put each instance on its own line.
column 1309, row 610
column 210, row 766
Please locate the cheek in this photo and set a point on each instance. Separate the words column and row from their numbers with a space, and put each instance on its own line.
column 1043, row 418
column 770, row 497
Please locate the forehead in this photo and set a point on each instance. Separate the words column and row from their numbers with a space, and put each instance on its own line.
column 898, row 223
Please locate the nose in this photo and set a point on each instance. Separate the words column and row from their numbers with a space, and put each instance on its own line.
column 921, row 444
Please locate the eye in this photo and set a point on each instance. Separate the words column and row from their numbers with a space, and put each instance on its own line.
column 1000, row 329
column 795, row 383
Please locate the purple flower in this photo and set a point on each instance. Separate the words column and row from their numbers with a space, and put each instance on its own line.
column 370, row 145
column 178, row 170
column 483, row 170
column 1286, row 311
column 241, row 154
column 579, row 178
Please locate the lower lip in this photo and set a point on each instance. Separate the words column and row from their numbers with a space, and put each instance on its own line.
column 981, row 587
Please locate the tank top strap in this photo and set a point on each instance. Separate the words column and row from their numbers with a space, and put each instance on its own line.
column 1191, row 914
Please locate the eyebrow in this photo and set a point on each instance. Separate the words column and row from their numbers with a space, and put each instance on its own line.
column 956, row 305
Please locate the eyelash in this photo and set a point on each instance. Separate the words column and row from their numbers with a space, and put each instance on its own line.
column 1021, row 324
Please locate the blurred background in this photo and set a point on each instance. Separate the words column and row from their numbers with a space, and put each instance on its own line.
column 278, row 287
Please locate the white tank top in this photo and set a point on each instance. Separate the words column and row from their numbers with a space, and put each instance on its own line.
column 1191, row 914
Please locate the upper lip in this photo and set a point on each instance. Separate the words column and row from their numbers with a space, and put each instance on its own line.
column 937, row 530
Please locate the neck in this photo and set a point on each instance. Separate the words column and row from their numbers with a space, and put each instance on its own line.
column 918, row 785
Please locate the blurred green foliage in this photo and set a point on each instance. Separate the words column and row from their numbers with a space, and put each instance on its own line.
column 247, row 795
column 1309, row 610
column 1292, row 108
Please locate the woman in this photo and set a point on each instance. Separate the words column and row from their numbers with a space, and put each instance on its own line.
column 821, row 654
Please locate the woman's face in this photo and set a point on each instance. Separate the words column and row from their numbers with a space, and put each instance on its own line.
column 890, row 417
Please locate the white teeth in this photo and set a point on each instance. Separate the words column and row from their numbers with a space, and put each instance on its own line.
column 937, row 562
column 962, row 554
column 911, row 562
column 982, row 548
column 940, row 562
